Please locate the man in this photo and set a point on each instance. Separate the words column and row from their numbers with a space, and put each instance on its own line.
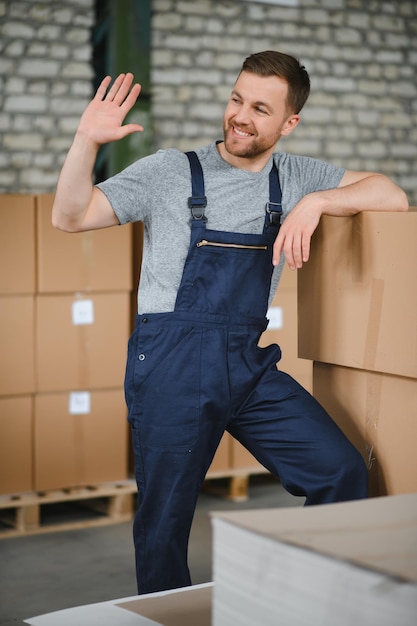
column 218, row 225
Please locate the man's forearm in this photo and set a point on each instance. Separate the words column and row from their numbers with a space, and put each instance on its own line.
column 75, row 184
column 357, row 192
column 374, row 192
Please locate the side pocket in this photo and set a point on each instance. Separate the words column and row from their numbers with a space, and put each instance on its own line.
column 168, row 405
column 129, row 386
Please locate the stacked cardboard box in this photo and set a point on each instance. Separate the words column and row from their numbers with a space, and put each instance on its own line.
column 17, row 310
column 357, row 322
column 283, row 330
column 66, row 303
column 65, row 323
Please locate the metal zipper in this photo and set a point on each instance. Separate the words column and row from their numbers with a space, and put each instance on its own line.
column 216, row 244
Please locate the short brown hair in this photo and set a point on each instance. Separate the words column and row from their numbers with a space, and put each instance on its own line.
column 273, row 63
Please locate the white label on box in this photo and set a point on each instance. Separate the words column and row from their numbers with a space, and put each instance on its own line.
column 82, row 312
column 79, row 403
column 275, row 314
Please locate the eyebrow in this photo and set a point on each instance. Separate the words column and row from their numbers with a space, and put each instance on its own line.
column 256, row 103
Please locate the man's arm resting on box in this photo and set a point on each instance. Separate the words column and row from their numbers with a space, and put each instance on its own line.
column 357, row 191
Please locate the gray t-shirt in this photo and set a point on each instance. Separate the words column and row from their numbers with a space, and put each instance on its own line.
column 155, row 190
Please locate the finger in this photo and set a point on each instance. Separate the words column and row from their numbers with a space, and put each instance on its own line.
column 102, row 88
column 123, row 89
column 111, row 94
column 289, row 257
column 306, row 248
column 297, row 251
column 131, row 98
column 288, row 252
column 277, row 250
column 129, row 129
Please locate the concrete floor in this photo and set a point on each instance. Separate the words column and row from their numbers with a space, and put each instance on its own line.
column 44, row 573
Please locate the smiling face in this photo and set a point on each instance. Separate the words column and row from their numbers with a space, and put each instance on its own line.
column 255, row 118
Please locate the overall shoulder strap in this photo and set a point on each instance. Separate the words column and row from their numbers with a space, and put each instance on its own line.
column 274, row 206
column 197, row 201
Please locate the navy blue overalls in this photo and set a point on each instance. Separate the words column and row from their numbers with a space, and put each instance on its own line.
column 197, row 371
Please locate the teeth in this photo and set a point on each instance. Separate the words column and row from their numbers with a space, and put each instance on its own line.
column 241, row 133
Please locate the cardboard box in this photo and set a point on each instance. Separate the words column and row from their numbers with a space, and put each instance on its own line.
column 81, row 341
column 241, row 458
column 288, row 280
column 378, row 413
column 345, row 563
column 99, row 260
column 358, row 293
column 187, row 606
column 80, row 438
column 221, row 461
column 231, row 455
column 282, row 330
column 17, row 324
column 17, row 244
column 15, row 444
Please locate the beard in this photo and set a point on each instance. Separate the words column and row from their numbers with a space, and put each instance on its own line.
column 249, row 149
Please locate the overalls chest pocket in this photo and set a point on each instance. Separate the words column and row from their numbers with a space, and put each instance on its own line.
column 229, row 274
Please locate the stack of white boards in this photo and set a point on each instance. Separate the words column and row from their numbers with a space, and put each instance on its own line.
column 343, row 564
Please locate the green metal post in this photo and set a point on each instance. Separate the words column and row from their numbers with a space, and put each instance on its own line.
column 130, row 34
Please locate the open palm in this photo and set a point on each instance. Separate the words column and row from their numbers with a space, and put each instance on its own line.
column 103, row 118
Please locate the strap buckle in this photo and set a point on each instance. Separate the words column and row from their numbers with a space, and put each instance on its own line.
column 197, row 204
column 274, row 215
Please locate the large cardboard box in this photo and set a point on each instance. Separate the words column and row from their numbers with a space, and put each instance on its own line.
column 241, row 458
column 358, row 293
column 99, row 260
column 221, row 462
column 15, row 444
column 17, row 325
column 80, row 438
column 282, row 330
column 378, row 413
column 17, row 244
column 81, row 341
column 231, row 455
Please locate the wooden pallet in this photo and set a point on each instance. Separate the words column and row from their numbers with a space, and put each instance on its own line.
column 66, row 509
column 34, row 513
column 231, row 484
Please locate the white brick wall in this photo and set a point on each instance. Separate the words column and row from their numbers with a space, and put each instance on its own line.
column 361, row 56
column 44, row 86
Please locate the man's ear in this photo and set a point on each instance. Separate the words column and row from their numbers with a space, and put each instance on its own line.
column 290, row 123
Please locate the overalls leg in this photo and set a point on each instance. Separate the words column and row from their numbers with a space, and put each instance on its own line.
column 291, row 434
column 167, row 496
column 176, row 429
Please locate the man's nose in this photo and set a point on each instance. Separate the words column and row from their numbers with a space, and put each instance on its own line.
column 242, row 116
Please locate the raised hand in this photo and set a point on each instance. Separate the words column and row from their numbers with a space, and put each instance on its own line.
column 102, row 120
